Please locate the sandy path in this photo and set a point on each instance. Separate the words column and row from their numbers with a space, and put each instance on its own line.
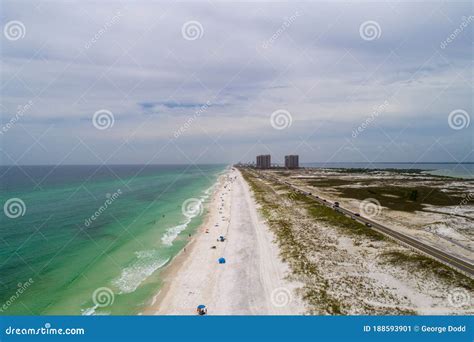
column 252, row 281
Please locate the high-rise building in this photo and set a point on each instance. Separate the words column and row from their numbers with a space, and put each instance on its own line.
column 292, row 162
column 264, row 161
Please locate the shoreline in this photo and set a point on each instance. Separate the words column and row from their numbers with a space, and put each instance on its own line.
column 171, row 269
column 252, row 281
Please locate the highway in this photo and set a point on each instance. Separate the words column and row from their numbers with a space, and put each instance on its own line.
column 455, row 262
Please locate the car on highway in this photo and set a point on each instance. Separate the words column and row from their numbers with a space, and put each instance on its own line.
column 368, row 225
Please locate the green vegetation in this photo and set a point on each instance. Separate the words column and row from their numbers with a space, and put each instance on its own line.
column 413, row 195
column 294, row 253
column 283, row 173
column 339, row 220
column 317, row 290
column 329, row 182
column 362, row 170
column 332, row 217
column 408, row 194
column 421, row 262
column 404, row 198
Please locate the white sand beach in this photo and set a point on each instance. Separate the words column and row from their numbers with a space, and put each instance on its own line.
column 253, row 279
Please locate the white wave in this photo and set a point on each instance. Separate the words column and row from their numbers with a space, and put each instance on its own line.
column 146, row 254
column 132, row 276
column 172, row 233
column 91, row 311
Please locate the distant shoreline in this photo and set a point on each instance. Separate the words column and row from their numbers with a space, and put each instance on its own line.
column 216, row 164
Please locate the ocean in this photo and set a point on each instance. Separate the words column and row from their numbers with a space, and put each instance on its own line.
column 93, row 239
column 458, row 170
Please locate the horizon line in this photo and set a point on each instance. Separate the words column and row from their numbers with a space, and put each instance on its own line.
column 234, row 163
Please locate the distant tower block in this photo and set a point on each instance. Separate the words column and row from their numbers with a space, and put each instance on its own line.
column 264, row 161
column 292, row 162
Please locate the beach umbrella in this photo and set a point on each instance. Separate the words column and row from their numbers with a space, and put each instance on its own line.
column 202, row 310
column 221, row 261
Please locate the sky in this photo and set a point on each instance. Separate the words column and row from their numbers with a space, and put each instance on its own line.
column 117, row 82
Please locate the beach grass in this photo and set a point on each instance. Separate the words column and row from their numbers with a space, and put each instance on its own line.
column 420, row 262
column 280, row 208
column 293, row 252
column 317, row 291
column 330, row 216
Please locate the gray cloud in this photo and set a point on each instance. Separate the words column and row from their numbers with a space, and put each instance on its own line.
column 252, row 59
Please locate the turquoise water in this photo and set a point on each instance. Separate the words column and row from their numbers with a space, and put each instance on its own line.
column 92, row 240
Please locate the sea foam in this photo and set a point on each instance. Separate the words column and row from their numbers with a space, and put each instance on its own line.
column 172, row 233
column 132, row 276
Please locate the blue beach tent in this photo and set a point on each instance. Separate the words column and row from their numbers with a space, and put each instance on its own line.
column 221, row 261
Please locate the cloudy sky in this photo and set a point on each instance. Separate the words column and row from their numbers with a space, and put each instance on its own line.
column 94, row 82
